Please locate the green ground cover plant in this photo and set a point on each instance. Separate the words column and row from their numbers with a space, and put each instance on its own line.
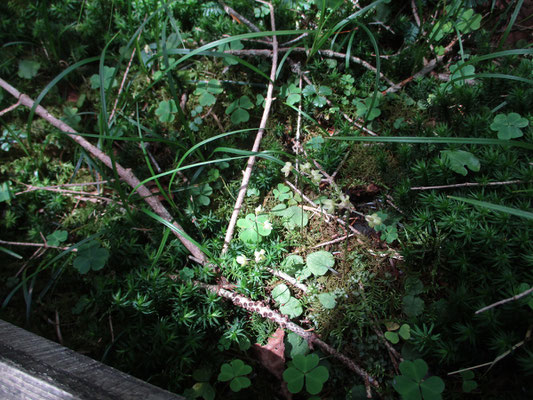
column 308, row 197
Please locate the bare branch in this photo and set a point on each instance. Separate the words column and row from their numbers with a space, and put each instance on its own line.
column 259, row 136
column 466, row 184
column 507, row 300
column 10, row 108
column 234, row 14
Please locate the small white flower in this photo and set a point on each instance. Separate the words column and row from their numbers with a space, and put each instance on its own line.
column 258, row 209
column 259, row 255
column 345, row 201
column 267, row 225
column 242, row 260
column 287, row 168
column 316, row 176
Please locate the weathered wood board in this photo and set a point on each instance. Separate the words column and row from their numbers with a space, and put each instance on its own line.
column 35, row 368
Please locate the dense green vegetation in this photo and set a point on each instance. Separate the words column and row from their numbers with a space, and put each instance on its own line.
column 389, row 203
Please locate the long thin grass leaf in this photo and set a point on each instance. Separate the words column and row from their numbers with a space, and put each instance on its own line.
column 495, row 207
column 178, row 231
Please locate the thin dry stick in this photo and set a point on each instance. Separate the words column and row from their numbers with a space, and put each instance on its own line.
column 239, row 17
column 509, row 299
column 430, row 66
column 284, row 322
column 415, row 13
column 340, row 239
column 326, row 53
column 121, row 87
column 10, row 108
column 66, row 191
column 466, row 184
column 286, row 277
column 33, row 188
column 124, row 173
column 257, row 142
column 30, row 244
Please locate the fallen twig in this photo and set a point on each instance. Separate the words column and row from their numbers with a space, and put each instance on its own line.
column 259, row 136
column 466, row 184
column 507, row 300
column 284, row 322
column 286, row 277
column 10, row 108
column 31, row 244
column 234, row 14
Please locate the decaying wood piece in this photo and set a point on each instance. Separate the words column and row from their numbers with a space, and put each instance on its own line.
column 35, row 368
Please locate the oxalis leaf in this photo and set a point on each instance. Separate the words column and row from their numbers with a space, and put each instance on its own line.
column 508, row 125
column 166, row 110
column 54, row 239
column 306, row 369
column 234, row 372
column 253, row 227
column 90, row 257
column 108, row 74
column 319, row 262
column 458, row 159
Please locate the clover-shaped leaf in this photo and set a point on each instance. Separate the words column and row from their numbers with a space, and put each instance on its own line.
column 327, row 300
column 206, row 91
column 235, row 45
column 317, row 96
column 90, row 256
column 363, row 107
column 166, row 110
column 292, row 308
column 238, row 108
column 281, row 293
column 468, row 21
column 412, row 385
column 28, row 69
column 469, row 383
column 295, row 216
column 315, row 143
column 253, row 227
column 459, row 74
column 71, row 117
column 234, row 372
column 108, row 75
column 201, row 194
column 458, row 159
column 319, row 262
column 282, row 192
column 54, row 239
column 389, row 234
column 306, row 369
column 293, row 94
column 508, row 125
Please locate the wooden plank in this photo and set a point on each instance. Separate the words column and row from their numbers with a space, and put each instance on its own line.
column 35, row 368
